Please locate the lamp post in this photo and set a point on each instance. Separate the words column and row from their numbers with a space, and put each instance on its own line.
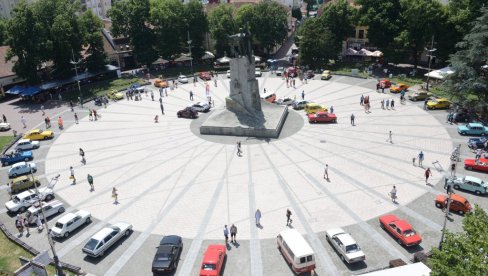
column 449, row 193
column 431, row 50
column 189, row 48
column 75, row 63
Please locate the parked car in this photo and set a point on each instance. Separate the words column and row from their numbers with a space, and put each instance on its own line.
column 458, row 203
column 188, row 112
column 15, row 157
column 4, row 126
column 300, row 104
column 205, row 76
column 473, row 129
column 326, row 75
column 345, row 245
column 24, row 200
column 161, row 83
column 39, row 134
column 419, row 96
column 309, row 74
column 472, row 165
column 476, row 143
column 284, row 101
column 49, row 209
column 280, row 71
column 200, row 107
column 213, row 259
column 322, row 117
column 115, row 95
column 465, row 117
column 168, row 254
column 384, row 83
column 401, row 230
column 440, row 103
column 105, row 238
column 26, row 144
column 21, row 168
column 24, row 182
column 257, row 72
column 183, row 79
column 314, row 108
column 468, row 183
column 228, row 74
column 398, row 88
column 69, row 223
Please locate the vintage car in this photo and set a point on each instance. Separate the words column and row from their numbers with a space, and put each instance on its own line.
column 115, row 95
column 468, row 183
column 69, row 223
column 384, row 84
column 458, row 203
column 4, row 126
column 473, row 129
column 284, row 101
column 38, row 134
column 188, row 112
column 213, row 260
column 166, row 258
column 105, row 238
column 299, row 104
column 309, row 74
column 21, row 168
column 472, row 165
column 419, row 96
column 26, row 144
column 49, row 209
column 440, row 103
column 314, row 108
column 24, row 182
column 204, row 76
column 24, row 200
column 200, row 107
column 280, row 71
column 326, row 75
column 478, row 143
column 182, row 79
column 322, row 117
column 15, row 157
column 401, row 230
column 345, row 245
column 161, row 83
column 399, row 88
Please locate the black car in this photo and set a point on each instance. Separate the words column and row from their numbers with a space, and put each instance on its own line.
column 168, row 254
column 310, row 74
column 188, row 112
column 464, row 117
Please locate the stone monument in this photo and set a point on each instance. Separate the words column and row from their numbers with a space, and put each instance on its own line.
column 245, row 113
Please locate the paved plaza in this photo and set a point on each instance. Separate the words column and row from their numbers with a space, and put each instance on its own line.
column 172, row 180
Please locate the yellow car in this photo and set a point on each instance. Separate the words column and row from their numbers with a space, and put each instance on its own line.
column 440, row 103
column 161, row 83
column 398, row 88
column 115, row 95
column 312, row 108
column 326, row 75
column 39, row 134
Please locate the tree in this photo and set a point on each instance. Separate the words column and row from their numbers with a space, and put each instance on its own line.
column 197, row 27
column 464, row 253
column 170, row 27
column 222, row 24
column 3, row 31
column 337, row 17
column 130, row 18
column 317, row 44
column 92, row 39
column 469, row 63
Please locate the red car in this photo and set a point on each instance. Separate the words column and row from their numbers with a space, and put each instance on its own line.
column 205, row 75
column 322, row 117
column 213, row 260
column 482, row 165
column 384, row 84
column 401, row 230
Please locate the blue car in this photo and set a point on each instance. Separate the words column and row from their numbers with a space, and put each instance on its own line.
column 473, row 129
column 16, row 157
column 477, row 143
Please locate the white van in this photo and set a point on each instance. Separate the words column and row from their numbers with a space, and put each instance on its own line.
column 296, row 251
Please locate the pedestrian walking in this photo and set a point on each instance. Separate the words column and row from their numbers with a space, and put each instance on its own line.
column 413, row 161
column 326, row 172
column 233, row 233
column 95, row 116
column 9, row 189
column 71, row 105
column 76, row 118
column 393, row 194
column 425, row 104
column 42, row 110
column 392, row 104
column 387, row 103
column 161, row 92
column 39, row 223
column 288, row 217
column 294, row 83
column 331, row 109
column 47, row 121
column 60, row 97
column 24, row 121
column 191, row 95
column 390, row 137
column 257, row 216
column 166, row 92
column 115, row 195
column 90, row 115
column 152, row 95
column 382, row 104
column 4, row 118
column 25, row 221
column 162, row 108
column 19, row 225
column 226, row 234
column 89, row 178
column 160, row 100
column 72, row 177
column 361, row 100
column 453, row 169
column 156, row 119
column 303, row 94
column 352, row 119
column 421, row 158
column 215, row 82
column 60, row 123
column 427, row 174
column 239, row 151
column 477, row 157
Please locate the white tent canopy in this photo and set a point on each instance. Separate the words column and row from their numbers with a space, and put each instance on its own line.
column 208, row 55
column 440, row 74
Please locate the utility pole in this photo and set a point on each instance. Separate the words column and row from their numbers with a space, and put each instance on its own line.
column 189, row 47
column 449, row 193
column 432, row 49
column 75, row 63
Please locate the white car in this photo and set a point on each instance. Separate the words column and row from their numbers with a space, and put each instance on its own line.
column 21, row 168
column 26, row 144
column 345, row 245
column 4, row 126
column 299, row 104
column 69, row 223
column 26, row 199
column 201, row 107
column 284, row 101
column 103, row 239
column 228, row 74
column 280, row 71
column 50, row 208
column 182, row 79
column 257, row 72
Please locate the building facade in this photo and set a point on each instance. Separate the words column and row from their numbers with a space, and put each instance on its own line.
column 99, row 7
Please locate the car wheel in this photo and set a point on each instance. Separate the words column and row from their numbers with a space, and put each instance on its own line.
column 327, row 238
column 334, row 121
column 438, row 205
column 61, row 210
column 477, row 192
column 399, row 241
column 5, row 163
column 382, row 226
column 88, row 220
column 22, row 209
column 342, row 258
column 66, row 235
column 461, row 212
column 456, row 187
column 463, row 133
column 101, row 253
column 178, row 115
column 26, row 159
column 13, row 175
column 49, row 197
column 127, row 232
column 45, row 138
column 469, row 168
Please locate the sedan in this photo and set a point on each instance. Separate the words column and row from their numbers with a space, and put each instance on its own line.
column 200, row 107
column 419, row 96
column 322, row 117
column 4, row 126
column 204, row 76
column 168, row 254
column 468, row 183
column 21, row 168
column 39, row 134
column 401, row 230
column 182, row 79
column 213, row 260
column 69, row 223
column 284, row 101
column 472, row 165
column 16, row 157
column 473, row 129
column 188, row 112
column 161, row 83
column 476, row 143
column 300, row 104
column 458, row 203
column 26, row 144
column 440, row 103
column 105, row 238
column 345, row 245
column 309, row 74
column 115, row 95
column 398, row 88
column 280, row 71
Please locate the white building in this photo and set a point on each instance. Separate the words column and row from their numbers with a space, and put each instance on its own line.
column 7, row 6
column 99, row 7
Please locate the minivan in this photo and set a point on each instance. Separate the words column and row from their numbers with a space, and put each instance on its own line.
column 296, row 251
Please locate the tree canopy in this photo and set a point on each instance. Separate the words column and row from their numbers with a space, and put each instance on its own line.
column 317, row 44
column 222, row 24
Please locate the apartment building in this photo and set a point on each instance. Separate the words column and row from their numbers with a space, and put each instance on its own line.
column 99, row 7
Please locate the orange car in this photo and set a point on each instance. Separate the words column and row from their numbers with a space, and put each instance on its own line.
column 399, row 88
column 161, row 83
column 213, row 260
column 458, row 203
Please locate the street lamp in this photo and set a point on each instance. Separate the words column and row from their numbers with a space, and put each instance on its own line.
column 189, row 48
column 432, row 49
column 449, row 193
column 75, row 63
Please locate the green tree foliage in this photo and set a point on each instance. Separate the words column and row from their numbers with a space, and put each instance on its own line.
column 464, row 253
column 317, row 44
column 92, row 39
column 338, row 18
column 3, row 31
column 222, row 24
column 170, row 26
column 469, row 63
column 197, row 26
column 130, row 18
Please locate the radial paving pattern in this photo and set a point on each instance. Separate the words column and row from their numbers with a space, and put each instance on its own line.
column 170, row 180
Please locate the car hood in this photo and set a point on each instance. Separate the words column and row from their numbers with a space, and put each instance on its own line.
column 10, row 205
column 47, row 133
column 56, row 230
column 354, row 255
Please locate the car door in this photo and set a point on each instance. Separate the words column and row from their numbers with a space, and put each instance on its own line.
column 48, row 210
column 393, row 229
column 468, row 186
column 70, row 226
column 76, row 222
column 337, row 244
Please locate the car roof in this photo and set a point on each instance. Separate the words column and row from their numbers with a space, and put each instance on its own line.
column 35, row 207
column 346, row 239
column 403, row 224
column 476, row 124
column 296, row 242
column 34, row 130
column 212, row 253
column 64, row 219
column 472, row 179
column 24, row 140
column 21, row 163
column 100, row 235
column 457, row 197
column 171, row 239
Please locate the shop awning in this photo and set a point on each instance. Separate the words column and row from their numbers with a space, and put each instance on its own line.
column 15, row 90
column 440, row 74
column 30, row 91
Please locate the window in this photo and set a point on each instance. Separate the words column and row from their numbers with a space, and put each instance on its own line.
column 361, row 34
column 303, row 260
column 309, row 258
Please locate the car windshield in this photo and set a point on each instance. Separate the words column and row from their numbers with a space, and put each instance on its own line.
column 16, row 200
column 164, row 257
column 209, row 266
column 409, row 233
column 352, row 248
column 91, row 244
column 59, row 225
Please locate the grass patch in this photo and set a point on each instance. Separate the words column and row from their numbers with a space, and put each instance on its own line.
column 101, row 88
column 411, row 81
column 344, row 68
column 5, row 140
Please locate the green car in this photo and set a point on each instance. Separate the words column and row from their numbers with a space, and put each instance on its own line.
column 24, row 182
column 468, row 183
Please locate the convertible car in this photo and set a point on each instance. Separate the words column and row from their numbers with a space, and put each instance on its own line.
column 16, row 157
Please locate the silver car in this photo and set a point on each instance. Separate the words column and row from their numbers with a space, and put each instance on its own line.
column 21, row 168
column 345, row 245
column 26, row 144
column 105, row 238
column 182, row 79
